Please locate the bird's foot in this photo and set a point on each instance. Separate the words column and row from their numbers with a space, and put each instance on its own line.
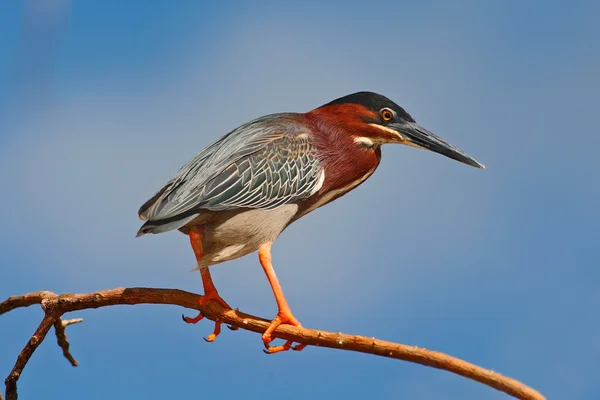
column 212, row 295
column 281, row 318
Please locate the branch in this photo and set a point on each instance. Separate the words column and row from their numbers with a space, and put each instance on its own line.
column 25, row 355
column 57, row 305
column 61, row 337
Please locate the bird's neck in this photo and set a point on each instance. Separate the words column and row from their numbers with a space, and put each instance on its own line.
column 346, row 164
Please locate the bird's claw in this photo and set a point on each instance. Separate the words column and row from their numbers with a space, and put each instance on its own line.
column 194, row 320
column 211, row 338
column 281, row 318
column 203, row 301
column 284, row 347
column 299, row 347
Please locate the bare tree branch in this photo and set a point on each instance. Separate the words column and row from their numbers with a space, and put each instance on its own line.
column 56, row 305
column 25, row 355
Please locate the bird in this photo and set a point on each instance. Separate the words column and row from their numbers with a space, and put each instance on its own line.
column 238, row 194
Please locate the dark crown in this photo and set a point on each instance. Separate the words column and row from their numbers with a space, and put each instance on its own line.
column 374, row 102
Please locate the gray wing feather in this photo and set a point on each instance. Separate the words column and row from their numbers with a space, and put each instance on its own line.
column 262, row 164
column 276, row 172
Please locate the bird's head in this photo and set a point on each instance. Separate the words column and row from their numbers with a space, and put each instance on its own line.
column 370, row 119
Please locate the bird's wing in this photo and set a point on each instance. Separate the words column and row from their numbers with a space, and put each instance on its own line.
column 263, row 164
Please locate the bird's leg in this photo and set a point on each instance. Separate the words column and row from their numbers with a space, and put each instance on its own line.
column 210, row 292
column 284, row 315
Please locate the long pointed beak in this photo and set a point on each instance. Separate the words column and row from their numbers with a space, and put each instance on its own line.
column 418, row 136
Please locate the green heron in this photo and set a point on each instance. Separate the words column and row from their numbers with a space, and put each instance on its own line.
column 241, row 192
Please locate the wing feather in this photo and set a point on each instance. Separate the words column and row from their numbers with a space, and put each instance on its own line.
column 263, row 164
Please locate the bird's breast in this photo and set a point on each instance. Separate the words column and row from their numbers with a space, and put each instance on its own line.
column 342, row 172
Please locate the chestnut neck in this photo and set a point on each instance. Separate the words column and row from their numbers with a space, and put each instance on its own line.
column 344, row 161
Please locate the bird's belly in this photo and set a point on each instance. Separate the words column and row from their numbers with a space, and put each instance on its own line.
column 227, row 235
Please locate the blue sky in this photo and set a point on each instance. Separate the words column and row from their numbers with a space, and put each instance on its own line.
column 101, row 102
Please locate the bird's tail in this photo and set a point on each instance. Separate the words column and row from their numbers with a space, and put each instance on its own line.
column 165, row 225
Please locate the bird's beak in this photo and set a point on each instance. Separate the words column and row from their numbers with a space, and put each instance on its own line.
column 417, row 136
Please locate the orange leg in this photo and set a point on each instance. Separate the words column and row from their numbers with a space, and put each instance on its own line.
column 210, row 292
column 284, row 316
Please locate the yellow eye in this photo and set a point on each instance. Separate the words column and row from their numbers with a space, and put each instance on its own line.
column 387, row 115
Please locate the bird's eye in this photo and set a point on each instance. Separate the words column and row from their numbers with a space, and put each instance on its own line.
column 387, row 114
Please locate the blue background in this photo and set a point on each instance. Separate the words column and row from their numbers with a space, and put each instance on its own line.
column 102, row 101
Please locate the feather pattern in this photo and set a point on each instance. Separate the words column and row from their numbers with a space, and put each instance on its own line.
column 262, row 164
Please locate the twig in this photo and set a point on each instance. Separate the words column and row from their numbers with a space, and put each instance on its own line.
column 61, row 337
column 56, row 305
